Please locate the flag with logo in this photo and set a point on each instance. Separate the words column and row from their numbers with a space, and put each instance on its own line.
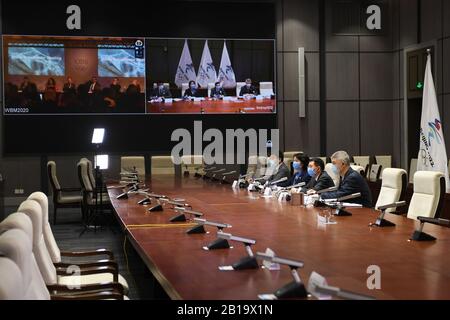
column 207, row 71
column 185, row 70
column 226, row 72
column 432, row 153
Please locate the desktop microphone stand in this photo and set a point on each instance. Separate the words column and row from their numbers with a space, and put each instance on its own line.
column 294, row 289
column 249, row 262
column 381, row 222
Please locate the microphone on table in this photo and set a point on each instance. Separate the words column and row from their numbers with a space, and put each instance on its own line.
column 331, row 189
column 248, row 262
column 381, row 221
column 337, row 204
column 298, row 185
column 278, row 181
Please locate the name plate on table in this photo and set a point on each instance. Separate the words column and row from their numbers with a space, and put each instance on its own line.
column 235, row 184
column 297, row 199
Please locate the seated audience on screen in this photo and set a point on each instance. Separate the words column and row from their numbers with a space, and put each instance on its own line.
column 134, row 88
column 351, row 182
column 29, row 89
column 217, row 92
column 300, row 165
column 115, row 88
column 192, row 91
column 248, row 88
column 94, row 86
column 163, row 92
column 320, row 179
column 276, row 169
column 50, row 90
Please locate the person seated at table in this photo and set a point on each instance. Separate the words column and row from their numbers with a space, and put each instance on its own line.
column 192, row 91
column 134, row 88
column 248, row 89
column 300, row 165
column 320, row 179
column 28, row 89
column 276, row 169
column 163, row 91
column 153, row 92
column 217, row 92
column 351, row 182
column 50, row 91
column 115, row 89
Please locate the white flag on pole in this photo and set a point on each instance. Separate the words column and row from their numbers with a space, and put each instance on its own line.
column 432, row 154
column 185, row 70
column 207, row 71
column 226, row 72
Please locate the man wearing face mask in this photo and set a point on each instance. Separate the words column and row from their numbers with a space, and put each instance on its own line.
column 300, row 165
column 162, row 91
column 320, row 179
column 248, row 88
column 192, row 91
column 351, row 182
column 276, row 169
column 217, row 92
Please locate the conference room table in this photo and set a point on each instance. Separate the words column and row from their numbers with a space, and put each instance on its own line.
column 208, row 105
column 342, row 252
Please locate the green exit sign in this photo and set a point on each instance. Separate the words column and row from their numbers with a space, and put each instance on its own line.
column 419, row 85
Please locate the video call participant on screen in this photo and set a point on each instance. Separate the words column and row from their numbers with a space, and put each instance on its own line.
column 115, row 88
column 50, row 91
column 320, row 179
column 217, row 92
column 29, row 89
column 163, row 92
column 192, row 91
column 300, row 165
column 94, row 86
column 248, row 88
column 154, row 90
column 134, row 88
column 276, row 169
column 351, row 182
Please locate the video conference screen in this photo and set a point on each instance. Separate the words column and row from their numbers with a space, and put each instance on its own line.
column 148, row 76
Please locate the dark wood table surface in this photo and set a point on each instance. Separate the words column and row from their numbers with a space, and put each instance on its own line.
column 342, row 252
column 214, row 106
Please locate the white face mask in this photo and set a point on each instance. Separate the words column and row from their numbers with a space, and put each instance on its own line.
column 248, row 85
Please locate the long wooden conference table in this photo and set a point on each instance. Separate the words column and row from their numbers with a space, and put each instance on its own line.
column 341, row 252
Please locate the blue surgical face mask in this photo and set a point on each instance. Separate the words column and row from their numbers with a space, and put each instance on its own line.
column 311, row 172
column 297, row 166
column 335, row 169
column 271, row 163
column 193, row 87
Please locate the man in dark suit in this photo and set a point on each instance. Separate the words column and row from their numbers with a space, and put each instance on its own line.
column 163, row 92
column 115, row 89
column 320, row 179
column 248, row 88
column 29, row 89
column 276, row 169
column 350, row 182
column 94, row 86
column 217, row 92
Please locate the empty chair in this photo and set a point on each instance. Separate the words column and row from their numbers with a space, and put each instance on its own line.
column 60, row 197
column 252, row 166
column 427, row 200
column 412, row 170
column 239, row 85
column 184, row 87
column 384, row 161
column 359, row 169
column 210, row 87
column 50, row 242
column 11, row 280
column 334, row 176
column 192, row 164
column 261, row 167
column 266, row 88
column 50, row 274
column 374, row 173
column 16, row 245
column 393, row 188
column 362, row 161
column 162, row 165
column 133, row 164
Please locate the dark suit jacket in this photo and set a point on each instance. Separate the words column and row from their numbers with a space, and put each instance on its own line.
column 215, row 92
column 323, row 182
column 245, row 90
column 164, row 93
column 296, row 179
column 283, row 171
column 97, row 87
column 189, row 93
column 353, row 182
column 70, row 88
column 132, row 89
